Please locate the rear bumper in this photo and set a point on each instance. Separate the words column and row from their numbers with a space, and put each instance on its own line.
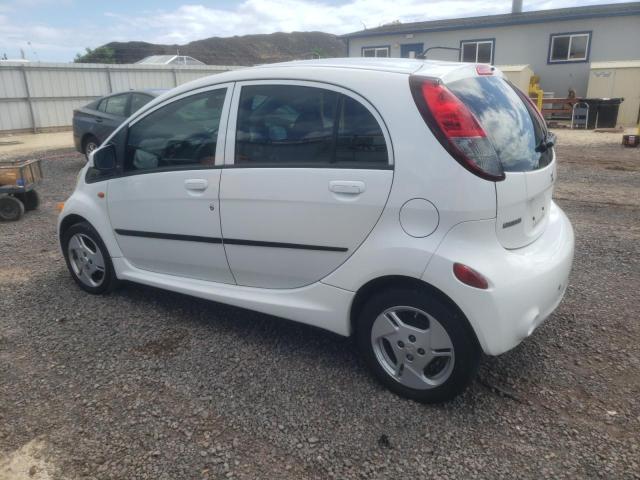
column 525, row 285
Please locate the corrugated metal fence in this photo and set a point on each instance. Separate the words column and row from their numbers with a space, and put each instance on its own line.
column 42, row 96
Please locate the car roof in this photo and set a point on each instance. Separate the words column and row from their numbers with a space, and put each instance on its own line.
column 154, row 92
column 331, row 67
column 405, row 66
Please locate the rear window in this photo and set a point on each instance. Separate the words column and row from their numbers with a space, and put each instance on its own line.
column 511, row 125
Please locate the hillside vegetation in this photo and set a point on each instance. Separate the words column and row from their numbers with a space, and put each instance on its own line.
column 244, row 50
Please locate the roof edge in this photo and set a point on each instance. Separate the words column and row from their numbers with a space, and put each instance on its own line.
column 517, row 19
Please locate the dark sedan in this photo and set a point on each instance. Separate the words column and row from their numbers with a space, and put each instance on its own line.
column 94, row 122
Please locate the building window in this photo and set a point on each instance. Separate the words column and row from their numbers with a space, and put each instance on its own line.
column 381, row 52
column 477, row 51
column 569, row 47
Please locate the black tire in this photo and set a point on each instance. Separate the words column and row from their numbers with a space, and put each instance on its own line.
column 30, row 199
column 11, row 208
column 89, row 144
column 109, row 280
column 466, row 350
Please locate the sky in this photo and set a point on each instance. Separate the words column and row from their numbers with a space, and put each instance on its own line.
column 55, row 30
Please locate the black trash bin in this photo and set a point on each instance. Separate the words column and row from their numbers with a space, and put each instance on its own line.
column 608, row 112
column 603, row 112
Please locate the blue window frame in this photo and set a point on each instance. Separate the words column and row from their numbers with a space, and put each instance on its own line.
column 478, row 50
column 569, row 47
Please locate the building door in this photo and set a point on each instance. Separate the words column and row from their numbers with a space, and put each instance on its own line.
column 411, row 50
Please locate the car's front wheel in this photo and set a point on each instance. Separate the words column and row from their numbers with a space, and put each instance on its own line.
column 417, row 345
column 88, row 259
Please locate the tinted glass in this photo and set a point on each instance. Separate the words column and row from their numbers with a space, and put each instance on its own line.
column 102, row 105
column 578, row 47
column 139, row 100
column 560, row 48
column 182, row 134
column 513, row 129
column 116, row 105
column 469, row 52
column 484, row 52
column 285, row 125
column 359, row 138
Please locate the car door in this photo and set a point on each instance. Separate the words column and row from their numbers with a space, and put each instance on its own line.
column 164, row 206
column 112, row 111
column 308, row 172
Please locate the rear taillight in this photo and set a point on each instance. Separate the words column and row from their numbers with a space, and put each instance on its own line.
column 456, row 128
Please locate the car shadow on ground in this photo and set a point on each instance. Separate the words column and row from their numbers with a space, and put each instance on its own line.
column 497, row 376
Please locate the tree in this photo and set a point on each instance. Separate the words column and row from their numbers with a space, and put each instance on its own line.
column 96, row 55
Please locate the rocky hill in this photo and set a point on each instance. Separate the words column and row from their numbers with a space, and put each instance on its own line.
column 244, row 50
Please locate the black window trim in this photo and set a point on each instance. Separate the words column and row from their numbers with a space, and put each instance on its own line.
column 229, row 117
column 220, row 146
column 492, row 41
column 588, row 33
column 174, row 168
column 233, row 118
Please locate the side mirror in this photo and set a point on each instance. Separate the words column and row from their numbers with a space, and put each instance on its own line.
column 104, row 158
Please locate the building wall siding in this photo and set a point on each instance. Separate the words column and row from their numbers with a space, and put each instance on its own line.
column 40, row 96
column 612, row 38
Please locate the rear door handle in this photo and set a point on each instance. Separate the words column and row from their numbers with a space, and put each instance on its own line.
column 196, row 184
column 349, row 187
column 98, row 120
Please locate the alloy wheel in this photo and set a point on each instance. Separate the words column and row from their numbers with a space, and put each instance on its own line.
column 412, row 347
column 86, row 260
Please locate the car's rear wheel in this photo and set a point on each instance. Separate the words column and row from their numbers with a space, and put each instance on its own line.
column 88, row 259
column 90, row 144
column 11, row 208
column 417, row 345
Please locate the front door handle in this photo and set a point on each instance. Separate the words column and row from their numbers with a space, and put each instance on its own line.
column 349, row 187
column 196, row 184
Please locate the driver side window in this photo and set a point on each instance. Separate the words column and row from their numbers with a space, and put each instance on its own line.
column 181, row 135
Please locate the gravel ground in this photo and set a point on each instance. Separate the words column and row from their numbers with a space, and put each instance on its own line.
column 150, row 384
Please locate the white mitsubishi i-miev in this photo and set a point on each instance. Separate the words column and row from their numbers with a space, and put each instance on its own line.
column 405, row 202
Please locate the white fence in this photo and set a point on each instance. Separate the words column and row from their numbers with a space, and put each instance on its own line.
column 42, row 96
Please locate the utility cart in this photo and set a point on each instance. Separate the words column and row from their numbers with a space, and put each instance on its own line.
column 17, row 187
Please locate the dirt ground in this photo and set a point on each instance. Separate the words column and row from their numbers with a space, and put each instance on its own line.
column 28, row 143
column 148, row 384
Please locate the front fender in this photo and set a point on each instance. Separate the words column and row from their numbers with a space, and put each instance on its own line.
column 88, row 204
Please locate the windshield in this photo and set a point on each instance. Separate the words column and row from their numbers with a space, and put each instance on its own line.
column 516, row 132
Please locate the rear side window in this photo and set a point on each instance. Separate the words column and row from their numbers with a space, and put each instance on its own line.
column 116, row 105
column 180, row 135
column 513, row 129
column 139, row 100
column 291, row 125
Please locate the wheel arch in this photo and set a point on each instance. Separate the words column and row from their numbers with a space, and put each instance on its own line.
column 380, row 284
column 86, row 137
column 67, row 222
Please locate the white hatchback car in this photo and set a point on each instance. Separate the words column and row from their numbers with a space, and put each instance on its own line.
column 406, row 202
